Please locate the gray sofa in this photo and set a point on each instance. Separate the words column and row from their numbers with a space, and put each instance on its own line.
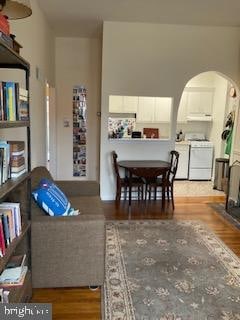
column 68, row 251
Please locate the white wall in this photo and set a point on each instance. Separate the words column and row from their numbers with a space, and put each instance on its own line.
column 157, row 60
column 36, row 37
column 78, row 62
column 219, row 115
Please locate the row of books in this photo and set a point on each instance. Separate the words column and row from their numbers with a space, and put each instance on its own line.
column 10, row 224
column 13, row 102
column 12, row 160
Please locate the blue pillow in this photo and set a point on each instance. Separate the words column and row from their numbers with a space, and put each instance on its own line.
column 51, row 199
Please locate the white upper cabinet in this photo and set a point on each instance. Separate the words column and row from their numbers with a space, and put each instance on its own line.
column 146, row 109
column 154, row 109
column 123, row 104
column 200, row 101
column 163, row 109
column 115, row 104
column 130, row 104
column 196, row 104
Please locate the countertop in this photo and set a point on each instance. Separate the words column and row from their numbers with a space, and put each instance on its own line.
column 183, row 142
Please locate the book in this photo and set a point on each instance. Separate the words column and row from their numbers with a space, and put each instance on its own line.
column 15, row 270
column 15, row 283
column 11, row 101
column 6, row 160
column 9, row 212
column 15, row 207
column 1, row 102
column 15, row 175
column 2, row 241
column 4, row 25
column 17, row 169
column 5, row 223
column 17, row 161
column 16, row 145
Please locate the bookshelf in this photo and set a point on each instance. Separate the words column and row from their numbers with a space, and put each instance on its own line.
column 18, row 190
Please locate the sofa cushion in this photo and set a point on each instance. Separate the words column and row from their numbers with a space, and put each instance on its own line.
column 87, row 204
column 51, row 199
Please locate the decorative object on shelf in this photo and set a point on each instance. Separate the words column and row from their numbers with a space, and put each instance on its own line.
column 18, row 9
column 120, row 128
column 79, row 131
column 152, row 133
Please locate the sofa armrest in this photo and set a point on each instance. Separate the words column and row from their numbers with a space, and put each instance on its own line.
column 79, row 188
column 68, row 251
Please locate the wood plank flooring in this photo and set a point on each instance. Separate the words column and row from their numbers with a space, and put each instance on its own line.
column 75, row 304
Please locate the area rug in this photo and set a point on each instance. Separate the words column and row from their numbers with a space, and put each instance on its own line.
column 169, row 270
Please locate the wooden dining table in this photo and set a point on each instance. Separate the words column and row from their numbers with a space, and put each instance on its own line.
column 147, row 169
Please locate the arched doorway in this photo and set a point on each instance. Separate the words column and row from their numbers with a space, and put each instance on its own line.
column 205, row 105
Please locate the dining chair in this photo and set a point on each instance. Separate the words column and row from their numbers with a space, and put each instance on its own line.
column 169, row 181
column 122, row 184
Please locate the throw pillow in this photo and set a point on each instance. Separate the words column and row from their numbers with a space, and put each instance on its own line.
column 52, row 200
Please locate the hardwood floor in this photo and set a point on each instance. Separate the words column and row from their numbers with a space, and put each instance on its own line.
column 84, row 304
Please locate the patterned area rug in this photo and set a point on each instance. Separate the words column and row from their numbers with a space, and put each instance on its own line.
column 169, row 270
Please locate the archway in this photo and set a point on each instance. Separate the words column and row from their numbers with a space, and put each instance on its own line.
column 206, row 102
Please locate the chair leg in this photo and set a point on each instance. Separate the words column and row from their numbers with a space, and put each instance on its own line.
column 155, row 193
column 150, row 192
column 168, row 195
column 172, row 197
column 118, row 194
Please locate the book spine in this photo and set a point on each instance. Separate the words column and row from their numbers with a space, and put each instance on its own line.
column 2, row 240
column 5, row 224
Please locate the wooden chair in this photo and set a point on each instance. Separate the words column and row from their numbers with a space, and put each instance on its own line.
column 122, row 184
column 174, row 158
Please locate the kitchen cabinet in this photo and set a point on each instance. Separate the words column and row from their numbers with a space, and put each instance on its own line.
column 195, row 104
column 146, row 109
column 163, row 108
column 200, row 101
column 154, row 109
column 130, row 104
column 182, row 171
column 123, row 104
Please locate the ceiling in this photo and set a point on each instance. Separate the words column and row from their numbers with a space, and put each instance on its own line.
column 84, row 18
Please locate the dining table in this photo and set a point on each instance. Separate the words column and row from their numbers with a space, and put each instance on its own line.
column 147, row 169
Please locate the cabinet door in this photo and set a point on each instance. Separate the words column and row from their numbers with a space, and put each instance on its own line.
column 116, row 104
column 163, row 108
column 182, row 109
column 146, row 108
column 200, row 102
column 130, row 104
column 182, row 171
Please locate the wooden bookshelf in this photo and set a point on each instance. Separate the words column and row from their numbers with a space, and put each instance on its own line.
column 9, row 59
column 21, row 293
column 11, row 248
column 14, row 124
column 11, row 184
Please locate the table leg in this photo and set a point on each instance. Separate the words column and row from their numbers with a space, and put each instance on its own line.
column 130, row 194
column 163, row 190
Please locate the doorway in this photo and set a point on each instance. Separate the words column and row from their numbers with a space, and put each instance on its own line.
column 51, row 142
column 204, row 108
